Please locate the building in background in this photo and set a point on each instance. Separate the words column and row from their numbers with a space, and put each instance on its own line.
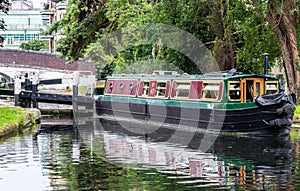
column 25, row 22
column 52, row 12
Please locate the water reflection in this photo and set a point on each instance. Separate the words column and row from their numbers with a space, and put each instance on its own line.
column 20, row 168
column 231, row 162
column 59, row 158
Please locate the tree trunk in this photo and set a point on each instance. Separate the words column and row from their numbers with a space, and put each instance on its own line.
column 284, row 23
column 225, row 48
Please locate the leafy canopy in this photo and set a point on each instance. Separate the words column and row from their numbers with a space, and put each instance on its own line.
column 234, row 30
column 34, row 45
column 4, row 7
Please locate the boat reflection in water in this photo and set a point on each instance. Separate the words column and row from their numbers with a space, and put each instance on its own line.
column 251, row 163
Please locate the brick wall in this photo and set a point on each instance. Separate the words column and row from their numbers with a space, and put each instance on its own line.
column 31, row 59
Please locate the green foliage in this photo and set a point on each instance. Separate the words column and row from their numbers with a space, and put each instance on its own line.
column 191, row 16
column 146, row 66
column 255, row 37
column 246, row 36
column 127, row 13
column 121, row 14
column 79, row 26
column 34, row 45
column 135, row 13
column 297, row 110
column 4, row 7
column 240, row 34
column 107, row 70
column 53, row 28
column 235, row 31
column 11, row 115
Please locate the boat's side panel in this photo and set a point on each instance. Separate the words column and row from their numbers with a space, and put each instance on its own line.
column 208, row 117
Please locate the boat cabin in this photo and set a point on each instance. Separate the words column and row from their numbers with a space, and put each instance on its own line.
column 217, row 87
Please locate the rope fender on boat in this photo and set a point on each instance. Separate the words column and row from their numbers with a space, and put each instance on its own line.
column 286, row 113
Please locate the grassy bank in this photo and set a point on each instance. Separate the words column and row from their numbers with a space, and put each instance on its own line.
column 297, row 111
column 15, row 118
column 11, row 115
column 297, row 114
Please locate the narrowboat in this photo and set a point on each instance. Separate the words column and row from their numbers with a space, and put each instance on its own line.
column 214, row 102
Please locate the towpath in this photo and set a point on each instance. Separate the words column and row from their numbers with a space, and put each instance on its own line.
column 6, row 103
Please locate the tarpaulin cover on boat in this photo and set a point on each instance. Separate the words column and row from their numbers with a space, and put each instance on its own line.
column 271, row 99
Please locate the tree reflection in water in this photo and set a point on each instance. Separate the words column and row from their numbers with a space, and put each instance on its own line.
column 96, row 159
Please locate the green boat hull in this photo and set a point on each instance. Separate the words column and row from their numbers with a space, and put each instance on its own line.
column 209, row 117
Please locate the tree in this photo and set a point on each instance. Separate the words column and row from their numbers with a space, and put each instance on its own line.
column 180, row 13
column 284, row 22
column 234, row 31
column 4, row 7
column 80, row 26
column 242, row 35
column 283, row 16
column 222, row 26
column 237, row 31
column 190, row 16
column 33, row 45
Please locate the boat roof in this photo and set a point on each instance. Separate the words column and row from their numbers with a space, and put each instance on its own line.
column 208, row 76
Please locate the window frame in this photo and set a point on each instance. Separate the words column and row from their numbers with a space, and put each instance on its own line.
column 143, row 88
column 220, row 90
column 125, row 90
column 240, row 89
column 174, row 89
column 271, row 82
column 166, row 92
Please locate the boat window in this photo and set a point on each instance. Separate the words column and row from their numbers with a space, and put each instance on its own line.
column 111, row 85
column 161, row 88
column 210, row 90
column 182, row 89
column 271, row 87
column 130, row 87
column 235, row 91
column 121, row 86
column 145, row 88
column 257, row 89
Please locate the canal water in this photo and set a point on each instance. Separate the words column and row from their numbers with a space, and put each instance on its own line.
column 54, row 156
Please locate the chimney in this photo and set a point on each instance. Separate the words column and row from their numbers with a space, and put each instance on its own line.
column 266, row 62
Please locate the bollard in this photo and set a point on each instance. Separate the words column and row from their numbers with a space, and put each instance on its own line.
column 74, row 100
column 34, row 87
column 27, row 85
column 17, row 88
